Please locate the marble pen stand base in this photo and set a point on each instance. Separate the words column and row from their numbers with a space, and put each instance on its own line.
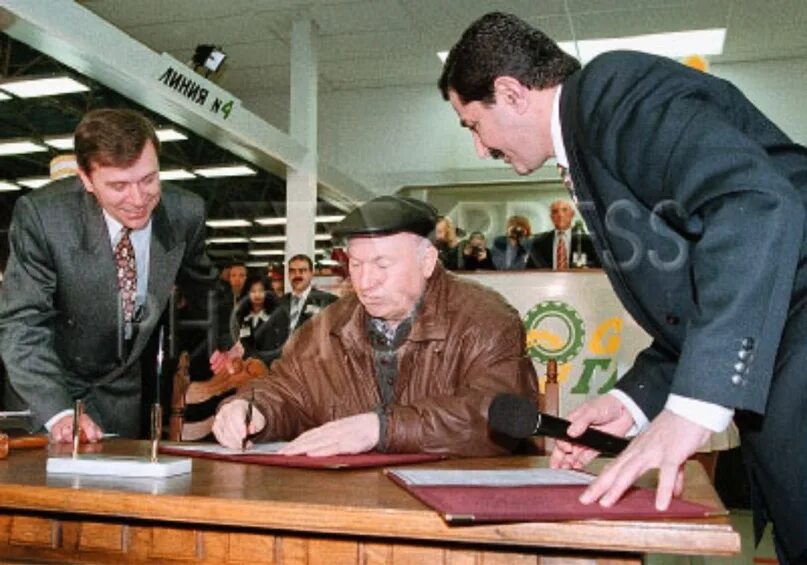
column 119, row 466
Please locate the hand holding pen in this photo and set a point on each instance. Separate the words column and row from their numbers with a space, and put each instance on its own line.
column 238, row 422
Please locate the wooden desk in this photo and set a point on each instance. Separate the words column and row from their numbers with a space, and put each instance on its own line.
column 232, row 513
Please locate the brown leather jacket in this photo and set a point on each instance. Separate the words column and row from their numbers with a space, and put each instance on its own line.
column 466, row 345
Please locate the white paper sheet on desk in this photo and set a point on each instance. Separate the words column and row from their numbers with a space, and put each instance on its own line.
column 210, row 447
column 495, row 478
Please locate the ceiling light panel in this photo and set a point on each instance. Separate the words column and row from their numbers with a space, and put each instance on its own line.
column 6, row 186
column 270, row 221
column 34, row 182
column 234, row 223
column 225, row 171
column 170, row 134
column 61, row 142
column 46, row 86
column 20, row 147
column 222, row 240
column 176, row 174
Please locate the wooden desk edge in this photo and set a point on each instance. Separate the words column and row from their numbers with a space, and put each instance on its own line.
column 717, row 538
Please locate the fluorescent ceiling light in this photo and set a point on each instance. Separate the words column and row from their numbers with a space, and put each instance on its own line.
column 257, row 264
column 170, row 134
column 176, row 174
column 225, row 171
column 34, row 182
column 270, row 221
column 234, row 223
column 322, row 237
column 63, row 142
column 268, row 238
column 674, row 44
column 319, row 252
column 47, row 86
column 6, row 186
column 215, row 240
column 329, row 219
column 266, row 252
column 20, row 147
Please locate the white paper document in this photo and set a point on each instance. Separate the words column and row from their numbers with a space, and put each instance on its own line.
column 210, row 447
column 498, row 478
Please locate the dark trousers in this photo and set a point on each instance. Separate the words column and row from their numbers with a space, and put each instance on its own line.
column 775, row 445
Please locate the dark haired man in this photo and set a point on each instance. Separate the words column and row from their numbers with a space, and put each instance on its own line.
column 680, row 179
column 92, row 265
column 292, row 310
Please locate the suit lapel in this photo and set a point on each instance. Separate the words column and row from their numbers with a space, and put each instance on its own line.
column 95, row 274
column 165, row 257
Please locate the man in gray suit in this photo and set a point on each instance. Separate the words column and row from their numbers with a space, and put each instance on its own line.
column 683, row 184
column 92, row 265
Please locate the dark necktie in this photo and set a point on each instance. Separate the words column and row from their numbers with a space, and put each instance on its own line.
column 127, row 273
column 561, row 254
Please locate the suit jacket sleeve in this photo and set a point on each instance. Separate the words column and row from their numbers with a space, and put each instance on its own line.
column 28, row 319
column 673, row 138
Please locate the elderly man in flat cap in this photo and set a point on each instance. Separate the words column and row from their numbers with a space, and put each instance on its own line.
column 407, row 363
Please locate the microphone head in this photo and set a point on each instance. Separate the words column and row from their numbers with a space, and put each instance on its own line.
column 513, row 415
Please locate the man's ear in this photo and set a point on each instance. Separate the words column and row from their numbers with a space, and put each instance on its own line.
column 429, row 260
column 85, row 180
column 511, row 92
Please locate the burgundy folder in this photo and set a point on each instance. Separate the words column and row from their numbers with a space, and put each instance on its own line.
column 358, row 461
column 542, row 503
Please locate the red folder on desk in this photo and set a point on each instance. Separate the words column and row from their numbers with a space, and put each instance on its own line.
column 459, row 504
column 358, row 461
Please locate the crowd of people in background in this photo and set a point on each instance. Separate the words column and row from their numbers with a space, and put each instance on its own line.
column 564, row 247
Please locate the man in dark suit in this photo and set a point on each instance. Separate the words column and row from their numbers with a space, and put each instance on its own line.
column 297, row 306
column 92, row 265
column 681, row 181
column 565, row 246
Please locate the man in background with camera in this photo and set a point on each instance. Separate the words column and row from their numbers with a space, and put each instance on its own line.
column 510, row 251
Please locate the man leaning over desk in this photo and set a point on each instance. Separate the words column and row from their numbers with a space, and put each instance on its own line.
column 406, row 363
column 92, row 265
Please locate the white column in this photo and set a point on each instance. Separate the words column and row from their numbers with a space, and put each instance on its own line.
column 301, row 182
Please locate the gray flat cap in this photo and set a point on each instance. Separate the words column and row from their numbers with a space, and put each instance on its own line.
column 387, row 215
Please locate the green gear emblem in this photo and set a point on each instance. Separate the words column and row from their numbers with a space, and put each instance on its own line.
column 549, row 312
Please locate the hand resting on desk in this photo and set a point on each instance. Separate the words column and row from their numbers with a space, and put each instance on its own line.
column 354, row 434
column 62, row 430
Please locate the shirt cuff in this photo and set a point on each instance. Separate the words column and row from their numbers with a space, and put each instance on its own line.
column 640, row 421
column 711, row 416
column 56, row 418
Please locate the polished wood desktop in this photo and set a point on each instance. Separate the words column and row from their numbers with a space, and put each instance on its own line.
column 234, row 513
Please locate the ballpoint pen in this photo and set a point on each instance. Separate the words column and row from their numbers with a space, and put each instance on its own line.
column 248, row 420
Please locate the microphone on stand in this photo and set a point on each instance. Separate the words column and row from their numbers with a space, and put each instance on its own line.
column 517, row 417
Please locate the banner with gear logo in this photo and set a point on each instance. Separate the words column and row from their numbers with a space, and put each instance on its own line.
column 576, row 319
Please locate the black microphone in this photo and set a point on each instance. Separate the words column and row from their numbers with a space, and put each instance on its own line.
column 516, row 416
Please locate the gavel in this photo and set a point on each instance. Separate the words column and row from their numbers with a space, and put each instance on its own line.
column 22, row 442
